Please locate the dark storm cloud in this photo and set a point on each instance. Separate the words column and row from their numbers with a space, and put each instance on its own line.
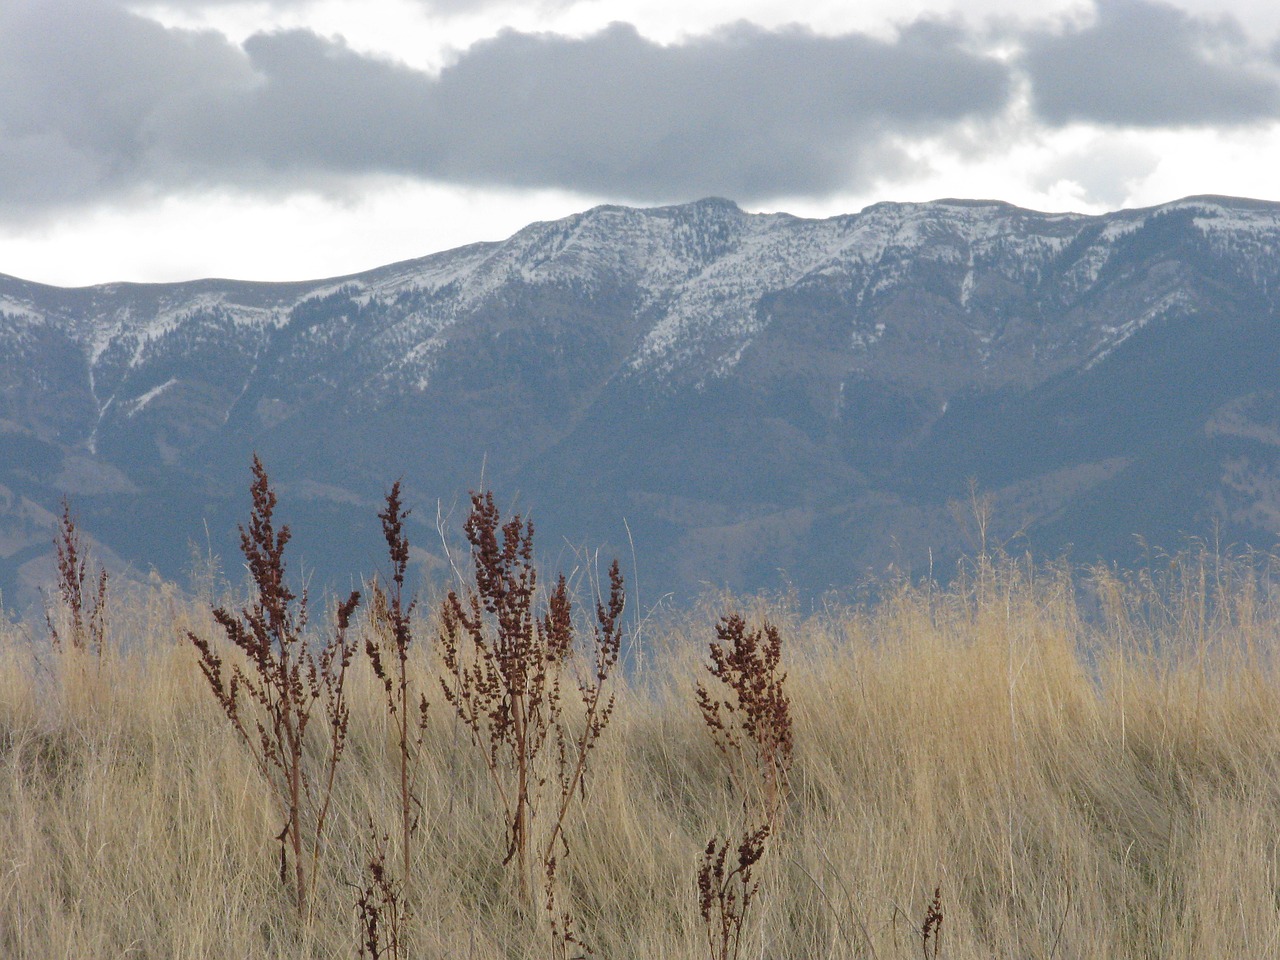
column 1146, row 64
column 97, row 102
column 744, row 112
column 89, row 96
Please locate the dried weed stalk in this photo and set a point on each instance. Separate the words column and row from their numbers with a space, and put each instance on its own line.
column 750, row 723
column 750, row 717
column 726, row 889
column 269, row 698
column 560, row 921
column 504, row 663
column 931, row 928
column 380, row 907
column 391, row 638
column 85, row 623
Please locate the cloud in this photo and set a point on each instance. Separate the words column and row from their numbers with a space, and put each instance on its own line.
column 89, row 95
column 471, row 6
column 743, row 112
column 1146, row 64
column 97, row 102
column 446, row 7
column 1104, row 171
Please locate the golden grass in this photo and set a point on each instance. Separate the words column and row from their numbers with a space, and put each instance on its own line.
column 1083, row 773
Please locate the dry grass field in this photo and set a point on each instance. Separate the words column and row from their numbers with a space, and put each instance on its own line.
column 1081, row 766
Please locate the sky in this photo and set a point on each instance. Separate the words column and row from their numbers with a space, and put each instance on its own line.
column 302, row 139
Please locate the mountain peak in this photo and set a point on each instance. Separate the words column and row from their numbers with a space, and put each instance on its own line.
column 716, row 203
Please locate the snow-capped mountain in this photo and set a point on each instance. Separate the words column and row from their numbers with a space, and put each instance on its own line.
column 752, row 393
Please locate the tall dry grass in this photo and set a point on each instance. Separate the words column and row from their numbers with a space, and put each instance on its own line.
column 1079, row 766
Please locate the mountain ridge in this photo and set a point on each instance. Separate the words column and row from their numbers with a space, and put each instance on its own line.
column 732, row 383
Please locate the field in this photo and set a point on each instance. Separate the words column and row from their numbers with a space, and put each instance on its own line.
column 1076, row 764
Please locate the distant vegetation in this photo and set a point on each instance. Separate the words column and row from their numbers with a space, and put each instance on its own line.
column 1028, row 762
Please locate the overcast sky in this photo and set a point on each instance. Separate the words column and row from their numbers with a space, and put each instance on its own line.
column 297, row 139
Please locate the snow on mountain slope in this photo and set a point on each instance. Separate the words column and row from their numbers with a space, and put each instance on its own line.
column 697, row 272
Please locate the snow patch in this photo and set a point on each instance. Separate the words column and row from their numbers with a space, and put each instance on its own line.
column 18, row 311
column 140, row 403
column 966, row 285
column 1112, row 337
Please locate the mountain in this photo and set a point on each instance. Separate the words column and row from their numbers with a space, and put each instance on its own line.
column 750, row 400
